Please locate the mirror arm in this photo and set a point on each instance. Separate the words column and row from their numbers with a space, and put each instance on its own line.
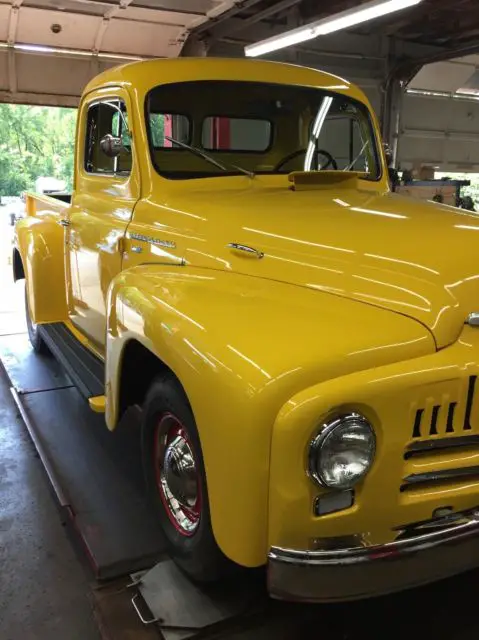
column 122, row 116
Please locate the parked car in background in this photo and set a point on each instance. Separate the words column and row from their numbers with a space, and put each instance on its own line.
column 12, row 208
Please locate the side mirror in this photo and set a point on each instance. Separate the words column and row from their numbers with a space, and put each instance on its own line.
column 388, row 152
column 111, row 146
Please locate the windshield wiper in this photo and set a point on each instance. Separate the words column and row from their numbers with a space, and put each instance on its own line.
column 208, row 158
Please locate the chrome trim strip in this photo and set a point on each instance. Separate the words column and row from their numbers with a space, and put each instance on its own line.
column 374, row 553
column 473, row 319
column 424, row 446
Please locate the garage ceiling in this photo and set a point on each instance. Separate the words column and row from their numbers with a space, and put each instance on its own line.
column 439, row 23
column 137, row 28
column 49, row 49
column 159, row 27
column 455, row 76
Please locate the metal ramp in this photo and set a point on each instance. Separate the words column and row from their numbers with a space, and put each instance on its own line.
column 96, row 475
column 165, row 597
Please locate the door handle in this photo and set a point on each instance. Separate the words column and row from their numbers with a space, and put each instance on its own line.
column 65, row 223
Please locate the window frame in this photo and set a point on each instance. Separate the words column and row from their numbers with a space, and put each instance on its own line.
column 362, row 106
column 352, row 120
column 116, row 174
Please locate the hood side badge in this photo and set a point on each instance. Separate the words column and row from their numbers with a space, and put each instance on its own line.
column 251, row 251
column 473, row 319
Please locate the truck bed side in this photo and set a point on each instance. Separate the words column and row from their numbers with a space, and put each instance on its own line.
column 40, row 250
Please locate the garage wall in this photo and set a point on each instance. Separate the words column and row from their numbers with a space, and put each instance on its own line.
column 46, row 79
column 356, row 58
column 439, row 131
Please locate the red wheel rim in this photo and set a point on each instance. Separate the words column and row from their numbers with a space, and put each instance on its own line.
column 177, row 475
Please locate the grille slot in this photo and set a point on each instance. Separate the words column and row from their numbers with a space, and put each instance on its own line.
column 428, row 453
column 436, row 425
column 424, row 447
column 439, row 477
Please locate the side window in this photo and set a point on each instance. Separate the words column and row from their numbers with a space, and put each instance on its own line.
column 108, row 117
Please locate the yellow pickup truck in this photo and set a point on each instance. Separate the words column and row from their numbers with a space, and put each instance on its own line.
column 304, row 343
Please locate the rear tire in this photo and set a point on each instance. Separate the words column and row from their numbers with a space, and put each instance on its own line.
column 176, row 477
column 36, row 340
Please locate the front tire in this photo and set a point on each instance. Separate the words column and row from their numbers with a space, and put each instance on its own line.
column 177, row 481
column 36, row 340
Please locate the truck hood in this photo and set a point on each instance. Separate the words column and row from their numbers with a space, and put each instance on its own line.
column 412, row 257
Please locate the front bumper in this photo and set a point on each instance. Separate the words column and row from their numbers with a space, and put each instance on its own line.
column 360, row 572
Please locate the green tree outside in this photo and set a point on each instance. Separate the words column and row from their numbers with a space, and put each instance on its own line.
column 34, row 142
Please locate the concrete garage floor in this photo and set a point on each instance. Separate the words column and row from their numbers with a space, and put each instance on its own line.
column 43, row 587
column 44, row 590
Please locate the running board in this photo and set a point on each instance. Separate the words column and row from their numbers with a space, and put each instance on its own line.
column 86, row 370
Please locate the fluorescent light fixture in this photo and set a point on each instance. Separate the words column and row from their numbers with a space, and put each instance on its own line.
column 344, row 20
column 36, row 48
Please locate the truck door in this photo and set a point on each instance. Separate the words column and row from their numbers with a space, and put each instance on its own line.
column 107, row 187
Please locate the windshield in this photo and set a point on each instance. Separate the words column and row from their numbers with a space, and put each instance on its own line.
column 256, row 127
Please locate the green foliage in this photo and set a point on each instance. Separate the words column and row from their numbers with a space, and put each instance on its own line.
column 34, row 142
column 157, row 127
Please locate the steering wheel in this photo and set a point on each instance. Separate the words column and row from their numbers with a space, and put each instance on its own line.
column 330, row 160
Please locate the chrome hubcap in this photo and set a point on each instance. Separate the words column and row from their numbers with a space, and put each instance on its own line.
column 177, row 476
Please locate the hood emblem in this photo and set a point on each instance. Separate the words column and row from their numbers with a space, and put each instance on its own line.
column 169, row 244
column 473, row 319
column 251, row 251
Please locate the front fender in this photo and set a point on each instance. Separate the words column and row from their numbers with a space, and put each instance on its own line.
column 40, row 242
column 242, row 347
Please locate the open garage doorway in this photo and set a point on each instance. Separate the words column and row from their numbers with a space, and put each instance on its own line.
column 36, row 154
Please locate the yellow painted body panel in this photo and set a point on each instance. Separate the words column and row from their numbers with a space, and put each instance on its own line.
column 39, row 238
column 102, row 207
column 358, row 303
column 240, row 354
column 389, row 396
column 97, row 404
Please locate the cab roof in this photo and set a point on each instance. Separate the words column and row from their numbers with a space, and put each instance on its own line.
column 147, row 74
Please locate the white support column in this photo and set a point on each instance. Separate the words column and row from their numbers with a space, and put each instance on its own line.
column 12, row 72
column 94, row 66
column 13, row 22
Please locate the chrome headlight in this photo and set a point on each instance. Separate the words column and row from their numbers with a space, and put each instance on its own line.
column 342, row 452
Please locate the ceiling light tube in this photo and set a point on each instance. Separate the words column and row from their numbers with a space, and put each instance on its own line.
column 344, row 20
